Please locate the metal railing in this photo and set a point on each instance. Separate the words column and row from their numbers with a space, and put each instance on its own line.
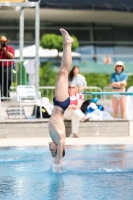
column 48, row 91
column 107, row 89
column 107, row 99
column 93, row 89
column 14, row 73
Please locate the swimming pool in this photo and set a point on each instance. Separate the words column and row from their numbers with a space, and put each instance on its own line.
column 101, row 172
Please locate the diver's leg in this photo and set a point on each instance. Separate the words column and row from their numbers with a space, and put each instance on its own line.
column 61, row 89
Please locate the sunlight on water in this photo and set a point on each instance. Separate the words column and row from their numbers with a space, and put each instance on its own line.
column 88, row 172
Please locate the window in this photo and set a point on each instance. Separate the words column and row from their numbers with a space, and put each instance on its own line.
column 103, row 35
column 123, row 34
column 29, row 35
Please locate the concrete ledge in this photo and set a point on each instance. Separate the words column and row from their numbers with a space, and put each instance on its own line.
column 35, row 128
column 131, row 128
column 76, row 142
column 24, row 128
column 101, row 128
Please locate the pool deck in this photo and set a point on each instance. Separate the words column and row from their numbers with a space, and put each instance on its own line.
column 8, row 142
column 24, row 132
column 35, row 133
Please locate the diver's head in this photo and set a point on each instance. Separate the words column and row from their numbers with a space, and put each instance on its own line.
column 53, row 149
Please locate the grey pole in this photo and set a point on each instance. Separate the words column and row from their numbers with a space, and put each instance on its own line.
column 37, row 43
column 21, row 40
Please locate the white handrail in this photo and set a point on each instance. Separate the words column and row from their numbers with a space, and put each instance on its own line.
column 110, row 93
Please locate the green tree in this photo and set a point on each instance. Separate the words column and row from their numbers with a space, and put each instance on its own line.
column 97, row 79
column 54, row 41
column 47, row 78
column 47, row 75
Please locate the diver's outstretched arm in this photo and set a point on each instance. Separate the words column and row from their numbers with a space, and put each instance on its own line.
column 60, row 148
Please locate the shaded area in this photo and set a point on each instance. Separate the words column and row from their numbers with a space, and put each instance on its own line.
column 115, row 5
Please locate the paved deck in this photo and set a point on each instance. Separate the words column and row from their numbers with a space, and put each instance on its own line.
column 16, row 132
column 8, row 142
column 35, row 128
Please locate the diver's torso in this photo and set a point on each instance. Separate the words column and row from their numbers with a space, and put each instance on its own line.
column 56, row 124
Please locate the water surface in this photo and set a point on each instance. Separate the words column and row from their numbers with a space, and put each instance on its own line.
column 101, row 172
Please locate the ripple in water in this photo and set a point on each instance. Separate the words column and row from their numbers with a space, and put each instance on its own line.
column 94, row 173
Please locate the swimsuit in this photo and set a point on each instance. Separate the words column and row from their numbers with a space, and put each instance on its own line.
column 63, row 104
column 117, row 96
column 115, row 77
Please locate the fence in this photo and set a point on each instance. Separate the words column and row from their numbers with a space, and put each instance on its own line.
column 107, row 100
column 13, row 73
column 48, row 91
column 17, row 72
column 107, row 89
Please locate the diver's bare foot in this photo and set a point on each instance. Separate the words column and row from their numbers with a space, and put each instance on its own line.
column 66, row 37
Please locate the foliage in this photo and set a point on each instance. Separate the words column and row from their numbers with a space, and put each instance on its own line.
column 54, row 41
column 75, row 44
column 47, row 76
column 96, row 79
column 103, row 80
column 130, row 81
column 19, row 78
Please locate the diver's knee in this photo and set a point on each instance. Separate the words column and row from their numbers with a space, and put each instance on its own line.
column 62, row 72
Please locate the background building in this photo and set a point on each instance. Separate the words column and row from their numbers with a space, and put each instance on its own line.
column 103, row 27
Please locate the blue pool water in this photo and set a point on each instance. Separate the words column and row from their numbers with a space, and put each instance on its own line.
column 102, row 172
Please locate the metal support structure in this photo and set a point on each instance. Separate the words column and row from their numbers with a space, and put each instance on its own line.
column 23, row 5
column 26, row 4
column 21, row 38
column 37, row 43
column 21, row 33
